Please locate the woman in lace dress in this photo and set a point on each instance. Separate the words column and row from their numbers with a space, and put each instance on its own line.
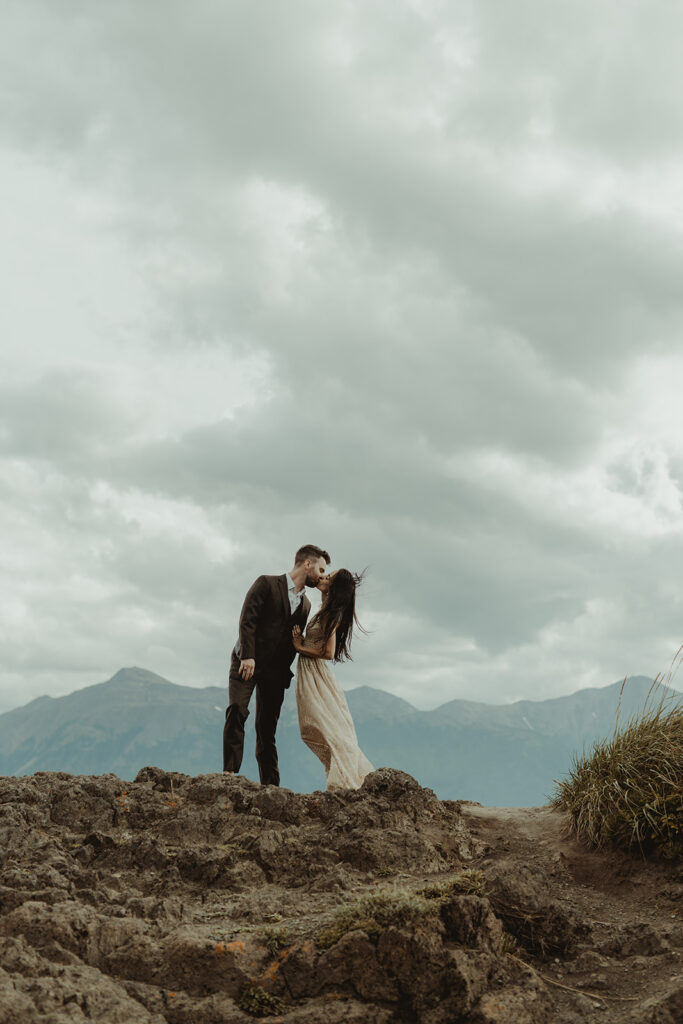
column 324, row 718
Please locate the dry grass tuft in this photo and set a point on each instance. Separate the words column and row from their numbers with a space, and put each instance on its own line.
column 471, row 881
column 374, row 913
column 628, row 790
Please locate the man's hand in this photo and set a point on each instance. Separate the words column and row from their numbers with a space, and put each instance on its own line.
column 247, row 668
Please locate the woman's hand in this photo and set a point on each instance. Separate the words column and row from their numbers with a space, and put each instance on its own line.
column 297, row 639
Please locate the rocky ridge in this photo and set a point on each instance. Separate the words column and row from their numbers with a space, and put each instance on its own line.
column 213, row 900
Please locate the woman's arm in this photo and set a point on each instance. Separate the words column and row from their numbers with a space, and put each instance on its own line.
column 313, row 652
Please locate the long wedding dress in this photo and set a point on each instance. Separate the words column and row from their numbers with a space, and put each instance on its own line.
column 325, row 721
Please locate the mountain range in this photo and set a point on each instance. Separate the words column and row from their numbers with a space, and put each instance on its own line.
column 499, row 755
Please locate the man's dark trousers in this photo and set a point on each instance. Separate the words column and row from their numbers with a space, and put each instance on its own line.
column 265, row 635
column 270, row 692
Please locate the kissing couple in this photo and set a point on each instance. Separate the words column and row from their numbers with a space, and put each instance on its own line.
column 271, row 633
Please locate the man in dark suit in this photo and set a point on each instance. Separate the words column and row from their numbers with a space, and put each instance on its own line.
column 263, row 655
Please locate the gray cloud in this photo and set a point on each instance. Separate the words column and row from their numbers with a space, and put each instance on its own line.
column 392, row 278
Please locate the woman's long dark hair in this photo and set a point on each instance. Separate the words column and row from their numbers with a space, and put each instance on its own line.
column 339, row 612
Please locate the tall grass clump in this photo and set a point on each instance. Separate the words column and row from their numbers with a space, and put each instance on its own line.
column 628, row 790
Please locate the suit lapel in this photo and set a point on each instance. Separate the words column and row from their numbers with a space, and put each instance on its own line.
column 284, row 595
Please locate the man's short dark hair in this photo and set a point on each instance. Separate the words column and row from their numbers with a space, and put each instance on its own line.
column 310, row 551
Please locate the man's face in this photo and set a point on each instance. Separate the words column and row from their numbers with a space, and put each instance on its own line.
column 315, row 570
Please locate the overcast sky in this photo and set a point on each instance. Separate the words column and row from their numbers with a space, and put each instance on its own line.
column 402, row 278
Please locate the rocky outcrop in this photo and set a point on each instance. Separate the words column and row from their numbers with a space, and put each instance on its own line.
column 158, row 900
column 213, row 900
column 525, row 901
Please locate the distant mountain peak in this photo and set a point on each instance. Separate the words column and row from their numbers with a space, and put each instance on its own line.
column 363, row 688
column 367, row 700
column 141, row 676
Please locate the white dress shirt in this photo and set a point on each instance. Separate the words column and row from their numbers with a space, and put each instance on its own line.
column 294, row 596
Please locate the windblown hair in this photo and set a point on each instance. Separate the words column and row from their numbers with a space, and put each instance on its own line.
column 339, row 612
column 310, row 551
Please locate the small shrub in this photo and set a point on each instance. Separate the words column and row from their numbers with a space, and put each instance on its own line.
column 374, row 913
column 471, row 882
column 256, row 1001
column 342, row 924
column 628, row 790
column 510, row 943
column 274, row 939
column 384, row 872
column 438, row 891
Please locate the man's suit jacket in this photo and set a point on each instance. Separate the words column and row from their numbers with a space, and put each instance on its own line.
column 266, row 626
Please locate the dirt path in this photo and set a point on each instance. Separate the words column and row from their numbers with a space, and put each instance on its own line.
column 627, row 967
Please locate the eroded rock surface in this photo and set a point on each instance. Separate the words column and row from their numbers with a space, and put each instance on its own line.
column 210, row 900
